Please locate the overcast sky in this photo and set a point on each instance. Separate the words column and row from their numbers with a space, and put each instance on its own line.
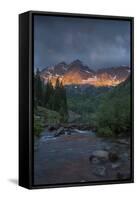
column 97, row 43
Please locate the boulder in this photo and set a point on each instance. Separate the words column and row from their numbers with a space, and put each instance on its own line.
column 113, row 156
column 125, row 156
column 107, row 148
column 99, row 171
column 94, row 160
column 67, row 132
column 100, row 154
column 115, row 165
column 59, row 132
column 123, row 141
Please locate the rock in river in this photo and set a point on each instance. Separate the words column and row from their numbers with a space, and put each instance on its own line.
column 59, row 132
column 101, row 154
column 123, row 141
column 115, row 165
column 113, row 156
column 99, row 171
column 94, row 160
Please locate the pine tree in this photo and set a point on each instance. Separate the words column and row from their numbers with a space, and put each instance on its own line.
column 48, row 95
column 60, row 104
column 54, row 98
column 57, row 95
column 38, row 89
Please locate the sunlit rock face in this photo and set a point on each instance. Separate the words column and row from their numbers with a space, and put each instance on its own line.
column 80, row 74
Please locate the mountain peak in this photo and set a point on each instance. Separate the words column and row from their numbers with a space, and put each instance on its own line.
column 62, row 63
column 77, row 61
column 78, row 73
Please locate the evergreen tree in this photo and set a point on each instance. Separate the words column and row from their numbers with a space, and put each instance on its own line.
column 53, row 98
column 60, row 104
column 57, row 95
column 38, row 89
column 48, row 92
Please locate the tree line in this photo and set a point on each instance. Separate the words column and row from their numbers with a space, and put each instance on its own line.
column 50, row 97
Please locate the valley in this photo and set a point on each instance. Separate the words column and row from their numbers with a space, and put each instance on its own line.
column 81, row 131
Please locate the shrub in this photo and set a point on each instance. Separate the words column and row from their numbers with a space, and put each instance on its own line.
column 105, row 132
column 38, row 126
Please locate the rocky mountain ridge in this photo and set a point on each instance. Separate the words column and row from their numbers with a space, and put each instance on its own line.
column 76, row 73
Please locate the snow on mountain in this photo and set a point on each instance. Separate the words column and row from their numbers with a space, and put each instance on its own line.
column 78, row 73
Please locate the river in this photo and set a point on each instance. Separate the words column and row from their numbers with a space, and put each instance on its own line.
column 65, row 159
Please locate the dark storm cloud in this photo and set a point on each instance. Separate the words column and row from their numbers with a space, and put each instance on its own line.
column 98, row 43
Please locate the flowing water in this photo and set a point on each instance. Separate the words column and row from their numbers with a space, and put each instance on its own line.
column 65, row 159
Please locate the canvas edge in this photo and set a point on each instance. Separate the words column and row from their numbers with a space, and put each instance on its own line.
column 30, row 184
column 24, row 93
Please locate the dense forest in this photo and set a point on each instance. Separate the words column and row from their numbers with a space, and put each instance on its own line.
column 106, row 109
column 114, row 112
column 50, row 103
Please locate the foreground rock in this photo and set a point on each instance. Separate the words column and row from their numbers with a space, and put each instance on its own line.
column 115, row 165
column 99, row 171
column 100, row 154
column 113, row 156
column 123, row 141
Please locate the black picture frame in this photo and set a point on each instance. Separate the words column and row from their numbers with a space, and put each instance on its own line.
column 26, row 140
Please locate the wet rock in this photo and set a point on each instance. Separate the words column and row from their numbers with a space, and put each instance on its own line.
column 113, row 156
column 94, row 160
column 99, row 171
column 107, row 148
column 67, row 132
column 125, row 156
column 123, row 141
column 59, row 132
column 100, row 154
column 85, row 127
column 115, row 165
